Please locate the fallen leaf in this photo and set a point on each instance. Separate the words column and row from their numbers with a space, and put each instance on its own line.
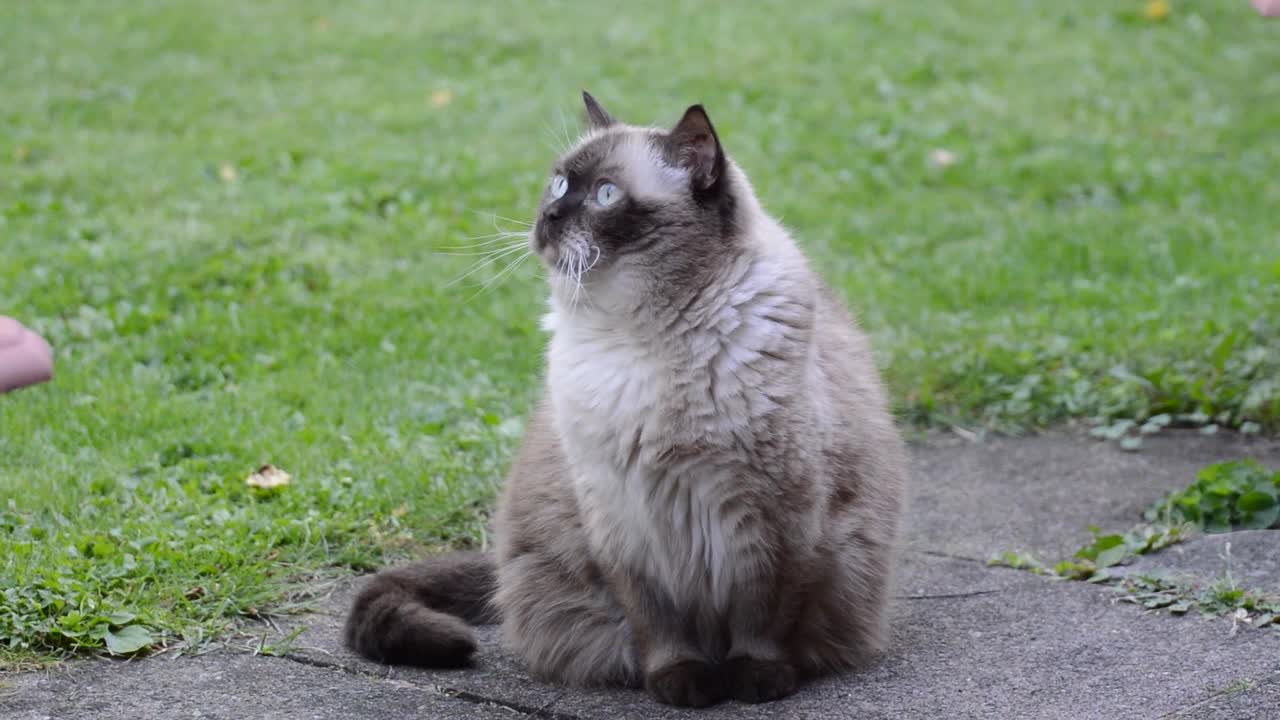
column 1157, row 10
column 227, row 172
column 268, row 477
column 1237, row 617
column 441, row 97
column 128, row 639
column 940, row 158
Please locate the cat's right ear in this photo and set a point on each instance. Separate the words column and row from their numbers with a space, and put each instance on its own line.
column 597, row 115
column 697, row 148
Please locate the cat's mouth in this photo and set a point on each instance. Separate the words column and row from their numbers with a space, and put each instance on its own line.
column 571, row 256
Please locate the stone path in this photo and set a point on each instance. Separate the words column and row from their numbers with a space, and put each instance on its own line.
column 970, row 641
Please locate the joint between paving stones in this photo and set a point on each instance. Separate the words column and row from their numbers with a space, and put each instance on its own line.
column 945, row 596
column 1224, row 692
column 948, row 556
column 544, row 712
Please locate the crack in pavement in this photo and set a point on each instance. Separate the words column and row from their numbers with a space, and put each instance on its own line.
column 528, row 711
column 1224, row 692
column 949, row 556
column 944, row 596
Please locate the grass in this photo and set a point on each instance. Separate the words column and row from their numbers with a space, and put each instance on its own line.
column 226, row 218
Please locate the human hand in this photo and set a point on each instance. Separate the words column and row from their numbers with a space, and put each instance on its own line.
column 25, row 357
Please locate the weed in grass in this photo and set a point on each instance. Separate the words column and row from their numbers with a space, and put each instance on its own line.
column 1225, row 496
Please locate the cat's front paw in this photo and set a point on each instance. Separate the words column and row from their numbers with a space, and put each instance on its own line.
column 759, row 681
column 688, row 683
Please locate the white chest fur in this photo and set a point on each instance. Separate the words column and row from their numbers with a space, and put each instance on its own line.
column 622, row 404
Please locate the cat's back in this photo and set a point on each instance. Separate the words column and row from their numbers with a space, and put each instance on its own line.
column 866, row 459
column 844, row 350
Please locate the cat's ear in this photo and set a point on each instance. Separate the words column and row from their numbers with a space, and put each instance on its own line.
column 697, row 148
column 597, row 115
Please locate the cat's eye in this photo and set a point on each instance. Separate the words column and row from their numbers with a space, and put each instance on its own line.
column 559, row 186
column 608, row 194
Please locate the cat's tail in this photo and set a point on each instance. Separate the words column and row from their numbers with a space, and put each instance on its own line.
column 421, row 614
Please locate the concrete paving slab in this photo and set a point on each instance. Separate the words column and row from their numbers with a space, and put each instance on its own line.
column 1040, row 494
column 227, row 686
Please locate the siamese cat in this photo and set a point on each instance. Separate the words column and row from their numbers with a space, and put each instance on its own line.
column 707, row 500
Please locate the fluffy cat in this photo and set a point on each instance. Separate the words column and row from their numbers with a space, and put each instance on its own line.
column 707, row 500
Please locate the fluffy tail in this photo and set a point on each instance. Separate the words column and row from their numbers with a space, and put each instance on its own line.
column 421, row 614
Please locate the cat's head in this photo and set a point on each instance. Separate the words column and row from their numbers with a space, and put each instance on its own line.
column 633, row 211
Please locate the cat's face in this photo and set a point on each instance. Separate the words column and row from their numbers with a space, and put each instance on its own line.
column 634, row 207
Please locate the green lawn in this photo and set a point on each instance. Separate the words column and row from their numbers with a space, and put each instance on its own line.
column 227, row 218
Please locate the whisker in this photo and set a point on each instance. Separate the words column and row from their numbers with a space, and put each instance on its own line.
column 494, row 217
column 578, row 261
column 483, row 263
column 511, row 266
column 568, row 139
column 479, row 249
column 586, row 294
column 502, row 234
column 501, row 253
column 525, row 223
column 498, row 251
column 553, row 146
column 562, row 270
column 512, row 239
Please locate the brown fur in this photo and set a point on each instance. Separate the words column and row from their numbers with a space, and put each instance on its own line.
column 419, row 614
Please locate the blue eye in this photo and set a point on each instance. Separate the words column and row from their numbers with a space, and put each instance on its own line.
column 559, row 186
column 608, row 194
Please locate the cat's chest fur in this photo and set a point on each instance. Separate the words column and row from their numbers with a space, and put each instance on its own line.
column 661, row 433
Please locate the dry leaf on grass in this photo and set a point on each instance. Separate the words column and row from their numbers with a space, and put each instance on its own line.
column 941, row 158
column 268, row 477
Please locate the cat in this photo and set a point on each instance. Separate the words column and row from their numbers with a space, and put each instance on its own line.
column 707, row 500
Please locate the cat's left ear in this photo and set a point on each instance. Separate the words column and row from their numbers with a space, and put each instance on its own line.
column 697, row 148
column 596, row 114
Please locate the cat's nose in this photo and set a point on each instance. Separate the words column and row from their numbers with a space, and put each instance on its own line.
column 555, row 211
column 564, row 206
